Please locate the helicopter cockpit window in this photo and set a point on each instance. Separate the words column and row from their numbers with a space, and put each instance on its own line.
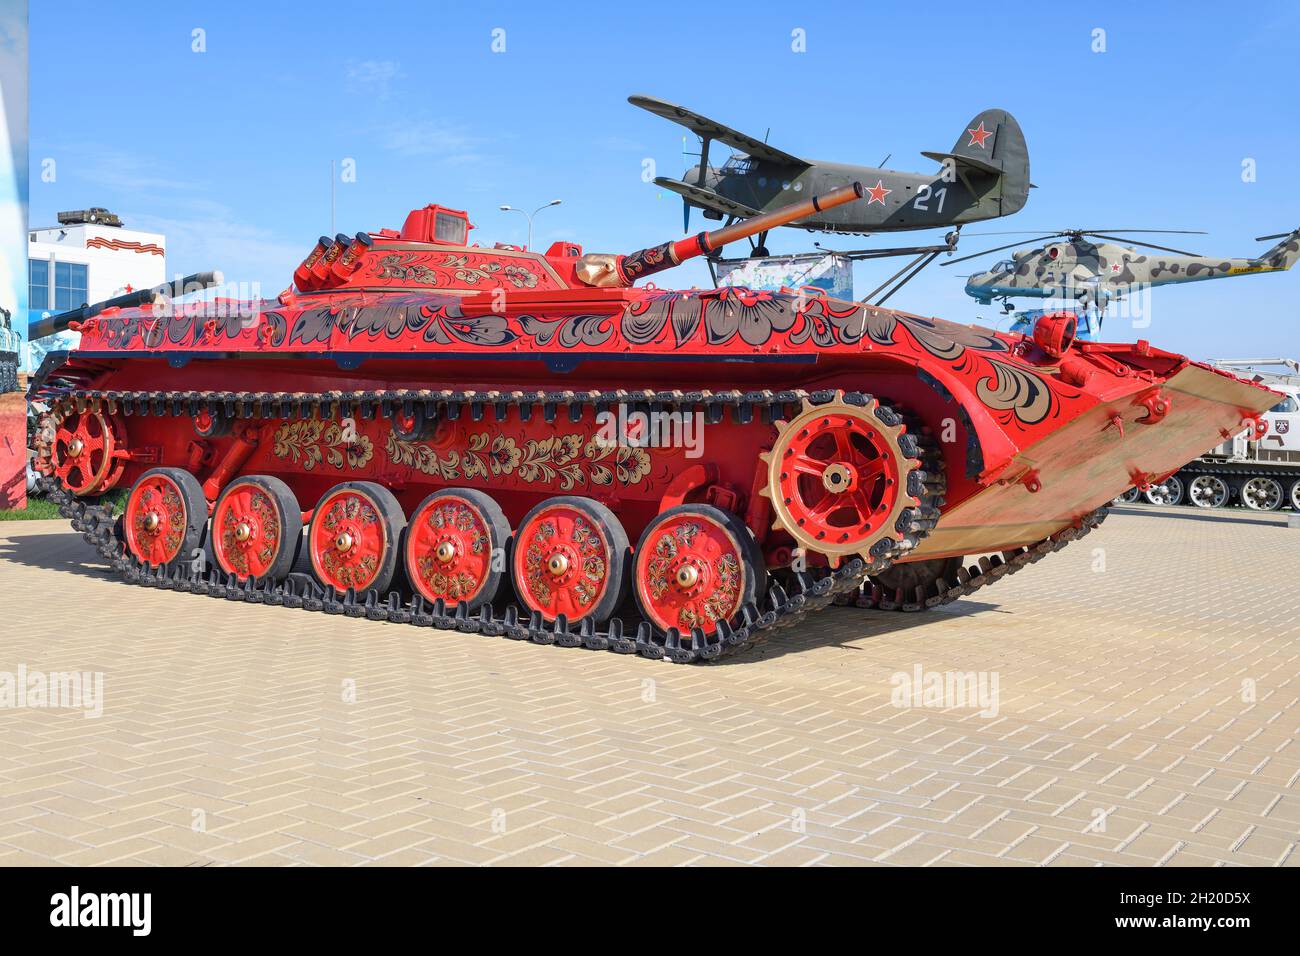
column 738, row 164
column 1006, row 265
column 448, row 228
column 1287, row 404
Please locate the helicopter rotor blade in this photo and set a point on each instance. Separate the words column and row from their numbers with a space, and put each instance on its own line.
column 1276, row 235
column 1011, row 245
column 1146, row 245
column 1011, row 232
column 1082, row 232
column 1181, row 232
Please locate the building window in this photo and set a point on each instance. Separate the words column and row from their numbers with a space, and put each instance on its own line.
column 69, row 285
column 38, row 295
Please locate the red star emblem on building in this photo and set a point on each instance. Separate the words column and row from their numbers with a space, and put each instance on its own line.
column 978, row 136
column 877, row 193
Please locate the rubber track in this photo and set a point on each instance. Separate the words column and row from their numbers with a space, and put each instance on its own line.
column 971, row 578
column 781, row 608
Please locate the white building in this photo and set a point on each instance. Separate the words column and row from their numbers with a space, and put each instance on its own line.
column 88, row 257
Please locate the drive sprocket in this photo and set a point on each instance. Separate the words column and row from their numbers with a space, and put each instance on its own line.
column 846, row 477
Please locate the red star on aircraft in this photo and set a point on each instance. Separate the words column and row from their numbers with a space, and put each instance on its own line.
column 978, row 136
column 878, row 192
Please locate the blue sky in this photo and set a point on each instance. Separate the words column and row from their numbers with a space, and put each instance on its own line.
column 228, row 151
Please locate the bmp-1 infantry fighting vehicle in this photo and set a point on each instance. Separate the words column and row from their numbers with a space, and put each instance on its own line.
column 499, row 441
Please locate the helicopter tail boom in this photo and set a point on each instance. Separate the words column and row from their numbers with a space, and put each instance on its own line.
column 1281, row 256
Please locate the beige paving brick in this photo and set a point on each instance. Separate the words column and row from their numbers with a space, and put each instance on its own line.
column 1119, row 692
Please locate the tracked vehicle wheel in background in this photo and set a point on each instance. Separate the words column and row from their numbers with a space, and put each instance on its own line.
column 1295, row 494
column 165, row 517
column 1261, row 494
column 1129, row 497
column 570, row 557
column 354, row 537
column 1207, row 491
column 256, row 529
column 1168, row 492
column 695, row 566
column 452, row 546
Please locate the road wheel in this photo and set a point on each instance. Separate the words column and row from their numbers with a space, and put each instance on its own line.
column 1261, row 494
column 570, row 558
column 695, row 566
column 1168, row 492
column 909, row 584
column 1129, row 497
column 1295, row 494
column 1208, row 491
column 165, row 517
column 256, row 529
column 354, row 536
column 452, row 547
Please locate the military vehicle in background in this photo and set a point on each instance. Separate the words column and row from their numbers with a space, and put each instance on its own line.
column 95, row 215
column 1074, row 267
column 10, row 347
column 1259, row 470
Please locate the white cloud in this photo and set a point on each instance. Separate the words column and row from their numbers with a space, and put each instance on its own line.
column 372, row 77
column 433, row 138
column 113, row 168
column 204, row 235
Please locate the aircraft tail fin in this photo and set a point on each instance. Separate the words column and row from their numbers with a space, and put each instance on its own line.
column 993, row 145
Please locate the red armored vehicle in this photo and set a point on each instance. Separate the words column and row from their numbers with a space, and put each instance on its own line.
column 494, row 440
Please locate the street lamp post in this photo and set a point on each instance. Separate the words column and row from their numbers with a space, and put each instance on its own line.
column 529, row 217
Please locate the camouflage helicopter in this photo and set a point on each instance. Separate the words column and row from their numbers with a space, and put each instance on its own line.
column 984, row 176
column 1098, row 273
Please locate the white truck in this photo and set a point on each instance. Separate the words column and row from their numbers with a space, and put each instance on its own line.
column 1262, row 475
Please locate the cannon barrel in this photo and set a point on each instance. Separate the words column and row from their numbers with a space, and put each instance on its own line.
column 177, row 287
column 623, row 271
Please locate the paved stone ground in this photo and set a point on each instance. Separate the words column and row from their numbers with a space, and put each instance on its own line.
column 1148, row 680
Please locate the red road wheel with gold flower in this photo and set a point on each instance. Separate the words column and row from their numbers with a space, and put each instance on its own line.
column 696, row 565
column 570, row 558
column 256, row 529
column 354, row 536
column 164, row 517
column 453, row 547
